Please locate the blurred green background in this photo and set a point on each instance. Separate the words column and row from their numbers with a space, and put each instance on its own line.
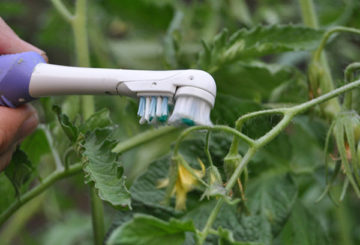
column 166, row 34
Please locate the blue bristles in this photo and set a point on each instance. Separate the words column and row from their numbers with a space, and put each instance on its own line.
column 164, row 110
column 153, row 107
column 141, row 110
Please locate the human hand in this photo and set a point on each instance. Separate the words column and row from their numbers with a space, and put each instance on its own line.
column 15, row 124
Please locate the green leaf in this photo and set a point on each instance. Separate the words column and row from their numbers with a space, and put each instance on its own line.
column 144, row 188
column 71, row 107
column 172, row 40
column 148, row 230
column 226, row 237
column 246, row 228
column 7, row 192
column 19, row 171
column 303, row 228
column 270, row 200
column 257, row 80
column 35, row 146
column 100, row 119
column 272, row 196
column 69, row 128
column 257, row 42
column 225, row 112
column 102, row 168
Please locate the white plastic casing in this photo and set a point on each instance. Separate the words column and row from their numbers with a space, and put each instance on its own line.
column 50, row 80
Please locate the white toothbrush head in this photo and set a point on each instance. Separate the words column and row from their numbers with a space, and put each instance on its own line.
column 192, row 92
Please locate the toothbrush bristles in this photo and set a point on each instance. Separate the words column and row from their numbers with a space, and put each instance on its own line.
column 151, row 108
column 141, row 110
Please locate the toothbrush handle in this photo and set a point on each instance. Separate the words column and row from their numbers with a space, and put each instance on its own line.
column 15, row 75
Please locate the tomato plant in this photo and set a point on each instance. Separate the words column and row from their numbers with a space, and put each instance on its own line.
column 280, row 165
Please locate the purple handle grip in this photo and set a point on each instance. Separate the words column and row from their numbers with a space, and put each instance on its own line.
column 15, row 75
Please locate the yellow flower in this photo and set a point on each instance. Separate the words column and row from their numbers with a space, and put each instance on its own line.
column 186, row 181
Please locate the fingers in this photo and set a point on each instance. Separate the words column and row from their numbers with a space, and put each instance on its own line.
column 15, row 125
column 10, row 43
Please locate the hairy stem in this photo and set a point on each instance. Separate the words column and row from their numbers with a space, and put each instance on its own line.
column 82, row 51
column 307, row 105
column 207, row 151
column 210, row 221
column 328, row 34
column 58, row 163
column 88, row 108
column 349, row 77
column 61, row 8
column 142, row 138
column 97, row 213
column 222, row 128
column 46, row 183
column 310, row 19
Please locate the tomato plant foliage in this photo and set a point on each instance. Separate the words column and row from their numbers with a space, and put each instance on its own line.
column 280, row 162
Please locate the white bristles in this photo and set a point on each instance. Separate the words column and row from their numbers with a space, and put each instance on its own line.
column 153, row 109
column 158, row 106
column 147, row 109
column 191, row 110
column 188, row 110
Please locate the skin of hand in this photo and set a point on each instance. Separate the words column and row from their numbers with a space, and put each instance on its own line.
column 15, row 124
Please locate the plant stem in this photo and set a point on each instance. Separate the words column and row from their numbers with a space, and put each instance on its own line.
column 308, row 13
column 82, row 51
column 65, row 13
column 97, row 213
column 210, row 221
column 223, row 128
column 88, row 108
column 207, row 151
column 349, row 77
column 46, row 183
column 305, row 106
column 58, row 163
column 328, row 34
column 247, row 116
column 310, row 19
column 142, row 138
column 249, row 154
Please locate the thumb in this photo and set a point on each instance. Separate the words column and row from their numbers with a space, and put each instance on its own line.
column 16, row 124
column 10, row 43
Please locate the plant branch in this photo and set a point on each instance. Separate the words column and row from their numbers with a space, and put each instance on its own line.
column 204, row 233
column 58, row 163
column 308, row 13
column 223, row 128
column 46, row 183
column 326, row 84
column 88, row 108
column 349, row 77
column 97, row 214
column 307, row 105
column 207, row 151
column 63, row 11
column 328, row 34
column 79, row 27
column 240, row 121
column 142, row 138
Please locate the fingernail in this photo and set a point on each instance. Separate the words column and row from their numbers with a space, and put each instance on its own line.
column 29, row 125
column 43, row 54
